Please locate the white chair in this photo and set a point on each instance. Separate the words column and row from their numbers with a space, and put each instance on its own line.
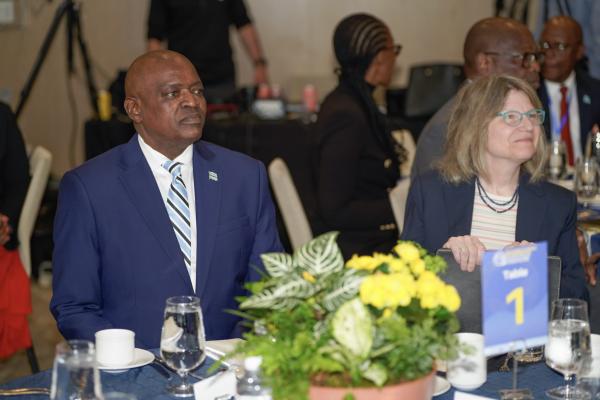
column 398, row 197
column 39, row 164
column 404, row 137
column 294, row 217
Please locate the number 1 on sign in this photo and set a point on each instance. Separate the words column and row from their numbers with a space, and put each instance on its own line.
column 516, row 295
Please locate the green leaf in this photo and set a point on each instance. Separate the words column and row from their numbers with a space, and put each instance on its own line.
column 277, row 264
column 376, row 373
column 321, row 256
column 343, row 290
column 284, row 296
column 353, row 328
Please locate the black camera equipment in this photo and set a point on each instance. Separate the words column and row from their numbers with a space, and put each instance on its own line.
column 70, row 10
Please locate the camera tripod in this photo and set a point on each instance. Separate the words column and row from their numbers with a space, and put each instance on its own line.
column 70, row 10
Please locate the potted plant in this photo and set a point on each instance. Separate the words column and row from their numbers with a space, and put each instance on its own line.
column 374, row 323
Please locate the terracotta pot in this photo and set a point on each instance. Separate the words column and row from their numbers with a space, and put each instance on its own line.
column 419, row 389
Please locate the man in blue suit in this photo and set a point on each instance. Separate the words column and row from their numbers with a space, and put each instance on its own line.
column 162, row 215
column 561, row 41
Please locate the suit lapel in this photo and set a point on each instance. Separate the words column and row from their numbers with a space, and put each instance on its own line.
column 585, row 110
column 207, row 186
column 459, row 218
column 544, row 99
column 140, row 185
column 531, row 211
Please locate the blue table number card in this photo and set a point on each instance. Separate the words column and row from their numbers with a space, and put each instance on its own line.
column 514, row 296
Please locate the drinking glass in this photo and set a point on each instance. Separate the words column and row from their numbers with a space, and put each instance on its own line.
column 557, row 160
column 568, row 345
column 586, row 178
column 75, row 375
column 182, row 342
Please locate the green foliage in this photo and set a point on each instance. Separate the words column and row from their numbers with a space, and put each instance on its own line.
column 316, row 320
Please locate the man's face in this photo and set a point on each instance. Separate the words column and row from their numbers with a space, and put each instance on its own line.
column 562, row 49
column 172, row 108
column 513, row 59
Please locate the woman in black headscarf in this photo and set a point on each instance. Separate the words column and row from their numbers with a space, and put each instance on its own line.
column 358, row 162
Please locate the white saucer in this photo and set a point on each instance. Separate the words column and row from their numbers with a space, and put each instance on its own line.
column 441, row 386
column 141, row 357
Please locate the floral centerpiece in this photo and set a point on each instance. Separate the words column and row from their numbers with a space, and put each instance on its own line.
column 374, row 321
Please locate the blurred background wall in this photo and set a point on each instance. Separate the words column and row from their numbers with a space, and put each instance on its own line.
column 296, row 37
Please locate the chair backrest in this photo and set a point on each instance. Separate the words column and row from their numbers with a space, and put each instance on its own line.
column 405, row 138
column 398, row 197
column 294, row 217
column 39, row 164
column 468, row 285
column 430, row 86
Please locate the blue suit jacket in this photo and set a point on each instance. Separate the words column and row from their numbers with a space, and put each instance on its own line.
column 588, row 99
column 116, row 257
column 437, row 210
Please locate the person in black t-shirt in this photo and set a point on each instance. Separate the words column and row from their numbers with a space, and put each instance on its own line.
column 199, row 29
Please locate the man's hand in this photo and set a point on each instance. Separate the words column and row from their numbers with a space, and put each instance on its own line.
column 467, row 251
column 589, row 263
column 5, row 229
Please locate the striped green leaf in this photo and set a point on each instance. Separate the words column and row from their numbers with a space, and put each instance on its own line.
column 277, row 264
column 321, row 256
column 343, row 290
column 283, row 296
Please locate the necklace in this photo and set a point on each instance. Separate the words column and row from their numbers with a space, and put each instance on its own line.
column 488, row 201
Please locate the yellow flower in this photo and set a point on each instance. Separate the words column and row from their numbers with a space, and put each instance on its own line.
column 308, row 277
column 397, row 265
column 391, row 290
column 450, row 298
column 417, row 266
column 387, row 313
column 407, row 251
column 363, row 262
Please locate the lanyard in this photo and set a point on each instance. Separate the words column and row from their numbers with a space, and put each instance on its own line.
column 558, row 123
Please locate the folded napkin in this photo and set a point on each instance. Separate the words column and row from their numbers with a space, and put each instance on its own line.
column 216, row 349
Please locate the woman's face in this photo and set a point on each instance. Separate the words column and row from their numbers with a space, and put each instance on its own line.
column 512, row 144
column 382, row 67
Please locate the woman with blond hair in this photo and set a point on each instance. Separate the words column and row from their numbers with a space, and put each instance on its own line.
column 488, row 191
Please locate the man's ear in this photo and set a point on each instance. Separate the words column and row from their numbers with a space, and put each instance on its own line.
column 484, row 64
column 132, row 107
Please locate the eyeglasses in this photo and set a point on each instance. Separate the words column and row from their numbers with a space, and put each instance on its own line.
column 526, row 59
column 397, row 48
column 558, row 46
column 514, row 118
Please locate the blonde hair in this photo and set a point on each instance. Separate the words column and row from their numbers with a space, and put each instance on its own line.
column 477, row 104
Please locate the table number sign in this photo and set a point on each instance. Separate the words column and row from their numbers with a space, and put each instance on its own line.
column 515, row 298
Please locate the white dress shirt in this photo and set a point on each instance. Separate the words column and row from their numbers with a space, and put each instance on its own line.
column 554, row 95
column 163, row 180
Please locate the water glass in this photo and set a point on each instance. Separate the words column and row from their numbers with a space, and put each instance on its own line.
column 182, row 342
column 568, row 345
column 75, row 375
column 557, row 160
column 586, row 177
column 589, row 376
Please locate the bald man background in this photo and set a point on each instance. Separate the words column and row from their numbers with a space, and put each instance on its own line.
column 562, row 43
column 117, row 257
column 492, row 46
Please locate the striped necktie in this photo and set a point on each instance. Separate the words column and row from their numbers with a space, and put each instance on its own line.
column 179, row 210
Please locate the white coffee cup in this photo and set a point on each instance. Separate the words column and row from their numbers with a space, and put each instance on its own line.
column 115, row 347
column 468, row 371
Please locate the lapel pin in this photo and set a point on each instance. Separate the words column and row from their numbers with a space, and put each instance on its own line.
column 586, row 99
column 213, row 176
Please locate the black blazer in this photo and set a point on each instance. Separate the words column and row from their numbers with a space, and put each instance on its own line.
column 437, row 210
column 14, row 171
column 588, row 98
column 354, row 174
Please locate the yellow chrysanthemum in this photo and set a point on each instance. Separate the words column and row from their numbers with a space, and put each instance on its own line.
column 450, row 298
column 308, row 277
column 392, row 290
column 407, row 251
column 397, row 265
column 417, row 266
column 363, row 262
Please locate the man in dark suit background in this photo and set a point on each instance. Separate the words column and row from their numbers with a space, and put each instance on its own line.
column 561, row 41
column 119, row 252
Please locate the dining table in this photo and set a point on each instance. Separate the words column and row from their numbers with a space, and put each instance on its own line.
column 150, row 381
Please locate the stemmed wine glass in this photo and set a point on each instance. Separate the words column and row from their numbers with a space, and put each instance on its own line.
column 182, row 342
column 75, row 374
column 557, row 160
column 568, row 345
column 586, row 178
